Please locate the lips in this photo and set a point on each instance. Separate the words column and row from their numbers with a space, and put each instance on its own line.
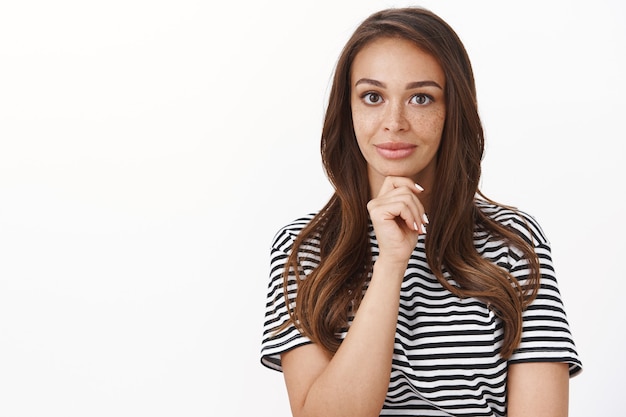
column 395, row 150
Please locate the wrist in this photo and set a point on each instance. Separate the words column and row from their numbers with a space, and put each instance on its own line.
column 390, row 267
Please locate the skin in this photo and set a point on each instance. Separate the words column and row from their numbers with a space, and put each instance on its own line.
column 538, row 389
column 397, row 100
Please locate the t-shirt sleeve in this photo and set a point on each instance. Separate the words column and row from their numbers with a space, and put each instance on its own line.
column 546, row 335
column 278, row 339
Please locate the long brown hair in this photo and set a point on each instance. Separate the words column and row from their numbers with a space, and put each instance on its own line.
column 334, row 289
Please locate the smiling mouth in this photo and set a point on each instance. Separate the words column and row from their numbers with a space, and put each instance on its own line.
column 395, row 150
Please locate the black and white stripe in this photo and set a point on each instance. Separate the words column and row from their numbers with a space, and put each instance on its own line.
column 446, row 360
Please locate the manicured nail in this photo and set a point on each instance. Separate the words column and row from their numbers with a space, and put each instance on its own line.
column 424, row 228
column 415, row 227
column 425, row 218
column 419, row 187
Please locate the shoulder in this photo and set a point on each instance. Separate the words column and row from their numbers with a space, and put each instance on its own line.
column 285, row 236
column 521, row 222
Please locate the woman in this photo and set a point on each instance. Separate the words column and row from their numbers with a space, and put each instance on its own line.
column 410, row 293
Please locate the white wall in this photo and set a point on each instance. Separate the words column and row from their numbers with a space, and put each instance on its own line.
column 150, row 149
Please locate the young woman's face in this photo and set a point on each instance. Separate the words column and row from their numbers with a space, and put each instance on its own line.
column 398, row 110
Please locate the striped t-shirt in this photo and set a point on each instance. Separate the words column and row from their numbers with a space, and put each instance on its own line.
column 445, row 360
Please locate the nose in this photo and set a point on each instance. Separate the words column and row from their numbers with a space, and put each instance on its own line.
column 395, row 119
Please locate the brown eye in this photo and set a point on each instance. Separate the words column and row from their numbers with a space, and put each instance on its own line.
column 421, row 99
column 372, row 98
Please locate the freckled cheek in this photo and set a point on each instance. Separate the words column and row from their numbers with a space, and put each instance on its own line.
column 363, row 125
column 431, row 124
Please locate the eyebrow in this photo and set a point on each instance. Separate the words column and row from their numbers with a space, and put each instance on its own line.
column 414, row 84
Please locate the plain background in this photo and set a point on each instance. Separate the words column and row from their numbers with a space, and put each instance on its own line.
column 149, row 150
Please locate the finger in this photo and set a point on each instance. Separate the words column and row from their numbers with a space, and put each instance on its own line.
column 399, row 212
column 399, row 204
column 414, row 203
column 391, row 183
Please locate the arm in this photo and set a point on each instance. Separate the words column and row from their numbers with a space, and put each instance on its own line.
column 355, row 380
column 538, row 389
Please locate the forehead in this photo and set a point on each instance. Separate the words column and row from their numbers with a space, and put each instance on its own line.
column 389, row 59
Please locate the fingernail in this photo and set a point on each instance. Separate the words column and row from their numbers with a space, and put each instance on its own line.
column 425, row 218
column 424, row 228
column 415, row 227
column 419, row 187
